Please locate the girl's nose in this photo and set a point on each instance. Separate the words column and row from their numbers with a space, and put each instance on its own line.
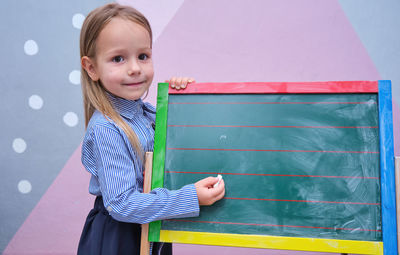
column 134, row 68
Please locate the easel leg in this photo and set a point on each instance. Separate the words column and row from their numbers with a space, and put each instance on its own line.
column 145, row 244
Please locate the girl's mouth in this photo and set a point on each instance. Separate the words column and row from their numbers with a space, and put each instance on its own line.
column 134, row 83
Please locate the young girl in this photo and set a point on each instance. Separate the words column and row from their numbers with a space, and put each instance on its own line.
column 117, row 70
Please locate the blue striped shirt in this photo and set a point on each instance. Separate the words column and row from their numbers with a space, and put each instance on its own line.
column 117, row 174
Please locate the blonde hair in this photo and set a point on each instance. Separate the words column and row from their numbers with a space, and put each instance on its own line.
column 94, row 94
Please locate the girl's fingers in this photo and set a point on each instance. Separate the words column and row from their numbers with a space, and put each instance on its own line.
column 209, row 181
column 172, row 82
column 184, row 83
column 180, row 82
column 208, row 195
column 218, row 193
column 222, row 192
column 220, row 189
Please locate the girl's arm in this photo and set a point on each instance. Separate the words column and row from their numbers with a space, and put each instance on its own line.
column 119, row 179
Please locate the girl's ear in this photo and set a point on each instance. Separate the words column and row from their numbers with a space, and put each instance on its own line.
column 89, row 67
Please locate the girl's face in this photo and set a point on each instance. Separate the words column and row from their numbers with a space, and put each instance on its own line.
column 123, row 61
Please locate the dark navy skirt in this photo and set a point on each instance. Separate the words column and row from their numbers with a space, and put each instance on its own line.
column 106, row 236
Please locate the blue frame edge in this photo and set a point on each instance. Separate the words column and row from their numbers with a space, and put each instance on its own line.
column 388, row 189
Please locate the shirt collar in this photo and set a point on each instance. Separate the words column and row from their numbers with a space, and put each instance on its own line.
column 127, row 108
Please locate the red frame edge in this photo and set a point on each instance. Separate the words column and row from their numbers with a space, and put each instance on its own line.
column 280, row 87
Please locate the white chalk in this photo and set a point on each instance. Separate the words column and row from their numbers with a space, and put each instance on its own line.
column 219, row 180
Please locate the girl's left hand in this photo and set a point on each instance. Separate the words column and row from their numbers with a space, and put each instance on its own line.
column 180, row 82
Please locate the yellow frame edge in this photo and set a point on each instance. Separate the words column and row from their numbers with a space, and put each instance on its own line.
column 273, row 242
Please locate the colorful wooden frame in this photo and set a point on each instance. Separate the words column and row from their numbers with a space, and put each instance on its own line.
column 389, row 230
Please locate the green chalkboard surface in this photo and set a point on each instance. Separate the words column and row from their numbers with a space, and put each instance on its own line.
column 301, row 165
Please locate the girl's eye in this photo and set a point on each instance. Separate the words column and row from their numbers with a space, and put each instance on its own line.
column 143, row 56
column 118, row 59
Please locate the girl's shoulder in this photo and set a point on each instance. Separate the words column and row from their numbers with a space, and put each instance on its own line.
column 149, row 111
column 149, row 108
column 99, row 120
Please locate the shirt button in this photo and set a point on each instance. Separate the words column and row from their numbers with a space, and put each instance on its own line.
column 109, row 209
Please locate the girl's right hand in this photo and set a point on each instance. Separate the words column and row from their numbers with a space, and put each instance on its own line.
column 206, row 194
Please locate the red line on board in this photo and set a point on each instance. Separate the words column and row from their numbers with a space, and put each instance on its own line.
column 287, row 175
column 303, row 201
column 242, row 126
column 280, row 87
column 272, row 225
column 205, row 149
column 272, row 102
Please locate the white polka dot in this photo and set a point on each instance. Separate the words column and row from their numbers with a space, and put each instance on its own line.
column 24, row 186
column 70, row 119
column 35, row 102
column 75, row 77
column 31, row 47
column 19, row 145
column 77, row 20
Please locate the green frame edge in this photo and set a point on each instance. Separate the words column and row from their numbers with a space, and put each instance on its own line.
column 157, row 179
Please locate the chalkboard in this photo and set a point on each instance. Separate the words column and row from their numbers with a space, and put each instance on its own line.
column 302, row 162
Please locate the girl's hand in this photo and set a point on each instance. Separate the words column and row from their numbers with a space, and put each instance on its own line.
column 180, row 82
column 208, row 195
